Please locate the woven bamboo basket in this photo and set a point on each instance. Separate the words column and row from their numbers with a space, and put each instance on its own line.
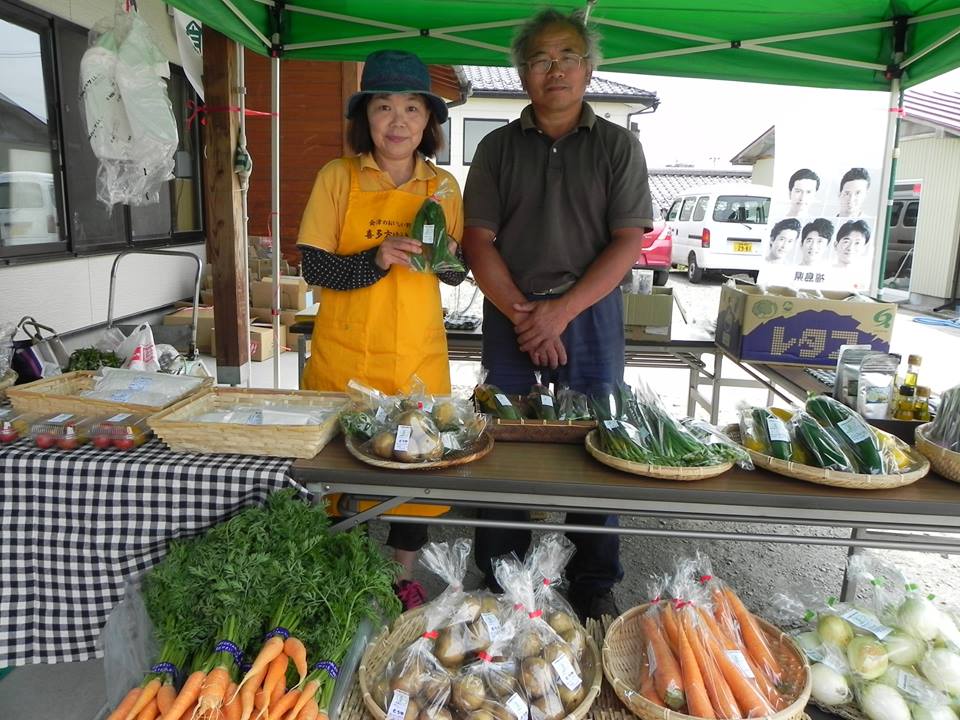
column 946, row 462
column 485, row 445
column 623, row 651
column 660, row 472
column 62, row 394
column 411, row 625
column 176, row 427
column 542, row 431
column 834, row 478
column 7, row 380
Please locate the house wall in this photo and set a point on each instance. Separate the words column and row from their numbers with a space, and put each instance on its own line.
column 509, row 109
column 762, row 171
column 70, row 294
column 936, row 162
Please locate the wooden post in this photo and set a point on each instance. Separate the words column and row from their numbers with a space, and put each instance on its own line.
column 221, row 193
column 349, row 84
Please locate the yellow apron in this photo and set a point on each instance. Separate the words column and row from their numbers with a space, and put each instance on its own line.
column 383, row 334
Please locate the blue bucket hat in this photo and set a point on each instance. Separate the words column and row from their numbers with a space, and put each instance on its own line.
column 396, row 71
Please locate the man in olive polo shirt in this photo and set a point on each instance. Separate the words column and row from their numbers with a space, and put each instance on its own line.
column 556, row 205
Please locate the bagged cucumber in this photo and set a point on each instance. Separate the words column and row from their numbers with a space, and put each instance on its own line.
column 430, row 228
column 772, row 434
column 851, row 431
column 541, row 401
column 822, row 450
column 492, row 400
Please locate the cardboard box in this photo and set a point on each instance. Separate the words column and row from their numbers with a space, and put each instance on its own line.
column 648, row 317
column 784, row 330
column 262, row 315
column 183, row 316
column 308, row 314
column 294, row 293
column 261, row 341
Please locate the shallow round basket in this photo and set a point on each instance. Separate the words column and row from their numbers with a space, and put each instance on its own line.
column 623, row 650
column 660, row 472
column 7, row 379
column 946, row 462
column 834, row 478
column 484, row 446
column 409, row 626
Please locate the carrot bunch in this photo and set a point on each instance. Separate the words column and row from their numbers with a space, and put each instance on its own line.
column 709, row 657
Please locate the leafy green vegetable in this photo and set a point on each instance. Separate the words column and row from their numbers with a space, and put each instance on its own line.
column 92, row 359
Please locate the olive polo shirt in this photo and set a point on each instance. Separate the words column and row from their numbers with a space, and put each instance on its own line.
column 554, row 204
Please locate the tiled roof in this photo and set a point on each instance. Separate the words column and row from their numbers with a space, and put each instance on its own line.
column 666, row 184
column 940, row 108
column 505, row 81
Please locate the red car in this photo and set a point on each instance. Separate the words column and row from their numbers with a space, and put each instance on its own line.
column 656, row 251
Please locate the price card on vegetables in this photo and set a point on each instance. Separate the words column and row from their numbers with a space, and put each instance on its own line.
column 546, row 401
column 867, row 622
column 398, row 706
column 493, row 625
column 777, row 430
column 403, row 438
column 738, row 659
column 568, row 676
column 517, row 706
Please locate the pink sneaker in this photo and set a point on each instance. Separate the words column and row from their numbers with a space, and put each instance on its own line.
column 411, row 594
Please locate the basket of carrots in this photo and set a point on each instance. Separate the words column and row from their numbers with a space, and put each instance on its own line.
column 703, row 654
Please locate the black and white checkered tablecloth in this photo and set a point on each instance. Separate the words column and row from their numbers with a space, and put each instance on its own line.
column 75, row 525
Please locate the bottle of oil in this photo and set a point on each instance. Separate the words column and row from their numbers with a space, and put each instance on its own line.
column 905, row 403
column 913, row 369
column 921, row 406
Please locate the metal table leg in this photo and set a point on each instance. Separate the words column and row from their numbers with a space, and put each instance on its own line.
column 369, row 513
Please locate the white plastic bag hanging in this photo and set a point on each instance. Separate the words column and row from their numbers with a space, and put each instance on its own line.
column 142, row 350
column 128, row 113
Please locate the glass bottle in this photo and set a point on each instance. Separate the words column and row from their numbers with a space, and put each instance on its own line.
column 913, row 369
column 921, row 406
column 905, row 403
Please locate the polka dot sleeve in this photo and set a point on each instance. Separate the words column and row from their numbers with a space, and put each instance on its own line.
column 340, row 272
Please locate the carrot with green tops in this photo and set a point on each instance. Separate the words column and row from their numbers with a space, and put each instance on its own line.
column 311, row 711
column 698, row 702
column 285, row 703
column 248, row 695
column 309, row 691
column 150, row 712
column 146, row 697
column 271, row 648
column 751, row 701
column 124, row 707
column 753, row 638
column 721, row 699
column 165, row 697
column 276, row 672
column 231, row 708
column 214, row 688
column 666, row 673
column 187, row 697
column 294, row 649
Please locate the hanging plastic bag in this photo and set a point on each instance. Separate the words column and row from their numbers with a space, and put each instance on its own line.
column 141, row 350
column 430, row 228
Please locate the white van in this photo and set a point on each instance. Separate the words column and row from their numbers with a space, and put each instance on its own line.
column 719, row 228
column 28, row 208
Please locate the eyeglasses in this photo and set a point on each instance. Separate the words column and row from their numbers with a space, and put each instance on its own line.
column 566, row 63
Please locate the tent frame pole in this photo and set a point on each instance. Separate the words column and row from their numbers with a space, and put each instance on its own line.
column 276, row 51
column 246, row 22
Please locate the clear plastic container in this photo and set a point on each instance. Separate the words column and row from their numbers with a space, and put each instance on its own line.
column 13, row 425
column 63, row 431
column 123, row 431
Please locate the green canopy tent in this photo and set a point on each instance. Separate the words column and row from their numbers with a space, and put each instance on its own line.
column 885, row 45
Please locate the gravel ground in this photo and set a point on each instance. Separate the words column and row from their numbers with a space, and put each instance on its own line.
column 758, row 570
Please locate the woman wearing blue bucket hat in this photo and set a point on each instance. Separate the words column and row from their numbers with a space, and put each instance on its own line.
column 379, row 321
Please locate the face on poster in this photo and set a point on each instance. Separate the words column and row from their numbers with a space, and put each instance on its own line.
column 826, row 199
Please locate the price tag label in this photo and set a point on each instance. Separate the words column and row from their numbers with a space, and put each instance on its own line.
column 254, row 417
column 493, row 625
column 427, row 405
column 428, row 233
column 403, row 438
column 120, row 417
column 854, row 428
column 62, row 417
column 814, row 655
column 140, row 383
column 911, row 685
column 502, row 400
column 651, row 659
column 866, row 622
column 121, row 395
column 381, row 414
column 568, row 676
column 517, row 706
column 610, row 424
column 398, row 706
column 737, row 658
column 546, row 401
column 450, row 442
column 777, row 430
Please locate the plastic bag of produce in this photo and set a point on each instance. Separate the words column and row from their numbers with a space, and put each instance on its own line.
column 430, row 228
column 764, row 431
column 572, row 405
column 820, row 448
column 550, row 673
column 540, row 400
column 414, row 680
column 722, row 446
column 945, row 428
column 489, row 684
column 548, row 558
column 852, row 433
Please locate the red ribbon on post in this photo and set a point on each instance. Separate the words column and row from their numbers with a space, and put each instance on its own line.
column 198, row 111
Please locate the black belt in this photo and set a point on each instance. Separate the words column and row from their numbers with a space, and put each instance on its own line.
column 558, row 290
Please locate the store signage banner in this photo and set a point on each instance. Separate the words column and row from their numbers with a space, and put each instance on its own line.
column 189, row 35
column 826, row 202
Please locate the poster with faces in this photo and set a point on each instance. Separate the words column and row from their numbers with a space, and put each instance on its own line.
column 826, row 200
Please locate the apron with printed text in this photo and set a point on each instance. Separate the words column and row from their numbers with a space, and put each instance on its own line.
column 383, row 334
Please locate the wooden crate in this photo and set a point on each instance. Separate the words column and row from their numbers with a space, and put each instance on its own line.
column 62, row 394
column 176, row 427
